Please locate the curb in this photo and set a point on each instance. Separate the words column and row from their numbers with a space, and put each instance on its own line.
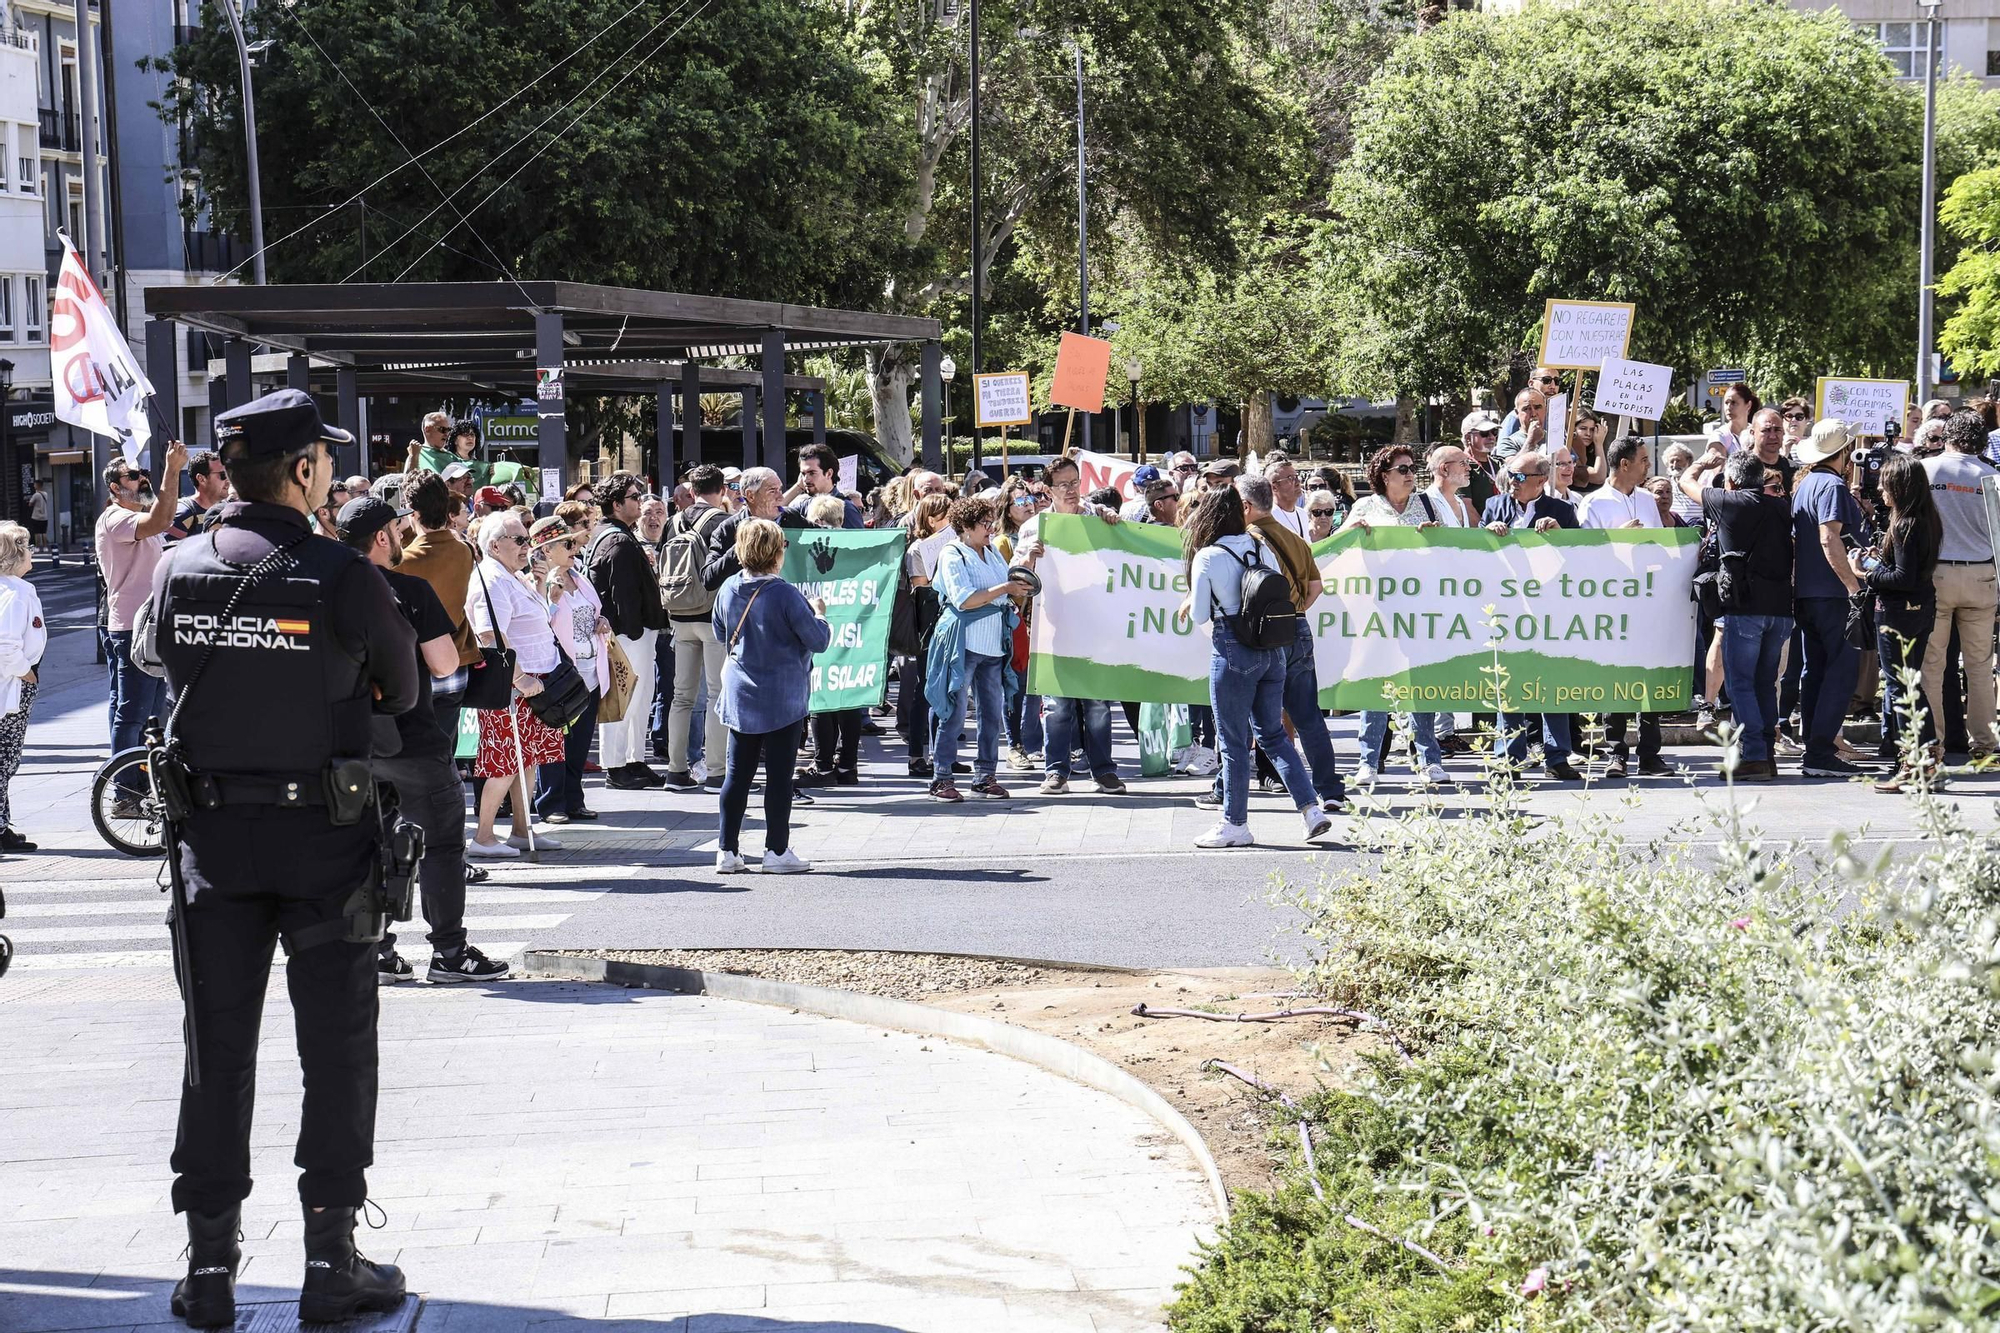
column 1036, row 1048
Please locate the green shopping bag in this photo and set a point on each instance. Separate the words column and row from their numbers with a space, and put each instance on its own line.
column 468, row 733
column 1163, row 730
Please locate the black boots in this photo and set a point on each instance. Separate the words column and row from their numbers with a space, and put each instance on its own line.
column 206, row 1297
column 339, row 1282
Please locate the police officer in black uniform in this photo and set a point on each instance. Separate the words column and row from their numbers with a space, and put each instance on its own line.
column 279, row 647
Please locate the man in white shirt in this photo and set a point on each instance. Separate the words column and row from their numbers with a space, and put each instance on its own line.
column 1287, row 495
column 1965, row 584
column 1622, row 504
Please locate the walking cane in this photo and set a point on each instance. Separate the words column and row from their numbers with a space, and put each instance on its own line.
column 522, row 808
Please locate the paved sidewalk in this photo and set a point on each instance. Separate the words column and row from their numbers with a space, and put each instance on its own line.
column 554, row 1155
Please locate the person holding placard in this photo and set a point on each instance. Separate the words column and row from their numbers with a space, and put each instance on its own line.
column 1543, row 381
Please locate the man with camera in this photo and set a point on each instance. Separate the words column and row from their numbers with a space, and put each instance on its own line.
column 1964, row 581
column 281, row 648
column 1825, row 515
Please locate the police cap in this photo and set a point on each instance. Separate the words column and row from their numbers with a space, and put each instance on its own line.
column 364, row 516
column 281, row 422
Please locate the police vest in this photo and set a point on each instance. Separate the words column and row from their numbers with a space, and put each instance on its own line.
column 279, row 694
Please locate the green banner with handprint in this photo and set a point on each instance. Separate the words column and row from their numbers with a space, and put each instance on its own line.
column 856, row 572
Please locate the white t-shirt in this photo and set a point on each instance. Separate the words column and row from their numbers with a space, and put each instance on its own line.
column 1609, row 509
column 1297, row 520
column 1447, row 512
column 522, row 616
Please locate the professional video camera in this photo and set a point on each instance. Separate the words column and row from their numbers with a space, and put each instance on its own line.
column 1868, row 463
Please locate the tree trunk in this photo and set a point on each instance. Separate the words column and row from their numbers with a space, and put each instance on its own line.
column 889, row 371
column 1406, row 420
column 1257, row 434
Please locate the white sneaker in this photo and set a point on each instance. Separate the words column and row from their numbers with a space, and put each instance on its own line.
column 787, row 862
column 1364, row 776
column 1704, row 720
column 473, row 847
column 1177, row 762
column 1225, row 835
column 698, row 770
column 1316, row 822
column 728, row 863
column 1203, row 762
column 543, row 842
column 1436, row 776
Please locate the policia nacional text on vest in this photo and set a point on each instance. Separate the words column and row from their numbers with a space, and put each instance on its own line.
column 280, row 648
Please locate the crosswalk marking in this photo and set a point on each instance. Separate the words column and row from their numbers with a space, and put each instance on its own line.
column 473, row 898
column 160, row 958
column 86, row 934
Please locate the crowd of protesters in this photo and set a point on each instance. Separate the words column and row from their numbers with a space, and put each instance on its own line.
column 646, row 633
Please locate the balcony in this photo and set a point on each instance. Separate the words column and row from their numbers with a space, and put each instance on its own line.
column 211, row 251
column 60, row 130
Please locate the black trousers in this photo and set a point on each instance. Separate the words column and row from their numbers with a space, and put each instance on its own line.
column 777, row 751
column 433, row 798
column 252, row 872
column 1614, row 734
column 837, row 741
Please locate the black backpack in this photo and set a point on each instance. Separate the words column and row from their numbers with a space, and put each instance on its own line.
column 1268, row 618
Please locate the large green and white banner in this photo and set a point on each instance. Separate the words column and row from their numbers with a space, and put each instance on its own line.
column 856, row 572
column 1576, row 622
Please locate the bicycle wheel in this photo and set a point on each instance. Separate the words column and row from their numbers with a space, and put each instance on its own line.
column 128, row 818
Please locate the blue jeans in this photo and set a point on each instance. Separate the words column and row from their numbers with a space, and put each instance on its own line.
column 1751, row 646
column 1059, row 726
column 1302, row 703
column 1246, row 687
column 1833, row 665
column 1520, row 729
column 135, row 696
column 982, row 679
column 663, row 695
column 1024, row 710
column 1375, row 732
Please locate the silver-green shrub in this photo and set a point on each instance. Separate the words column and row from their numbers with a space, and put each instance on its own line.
column 1751, row 1090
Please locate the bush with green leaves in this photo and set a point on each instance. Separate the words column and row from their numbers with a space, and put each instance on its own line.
column 1742, row 1088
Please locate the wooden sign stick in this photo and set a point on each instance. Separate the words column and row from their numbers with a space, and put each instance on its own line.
column 1068, row 425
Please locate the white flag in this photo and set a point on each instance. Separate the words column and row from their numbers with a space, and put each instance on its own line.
column 99, row 386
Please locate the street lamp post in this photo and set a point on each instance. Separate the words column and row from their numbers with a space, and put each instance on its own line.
column 1927, row 238
column 1138, row 417
column 1082, row 223
column 978, row 242
column 229, row 12
column 947, row 368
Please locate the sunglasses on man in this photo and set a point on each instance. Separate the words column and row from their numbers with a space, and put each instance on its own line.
column 1525, row 476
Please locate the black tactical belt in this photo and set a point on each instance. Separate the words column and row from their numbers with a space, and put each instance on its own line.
column 230, row 791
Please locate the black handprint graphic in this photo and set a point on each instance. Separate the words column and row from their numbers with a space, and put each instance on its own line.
column 822, row 555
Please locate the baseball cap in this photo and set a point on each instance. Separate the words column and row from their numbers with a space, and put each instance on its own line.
column 281, row 422
column 1479, row 420
column 1144, row 477
column 453, row 471
column 1220, row 467
column 730, row 474
column 493, row 498
column 364, row 516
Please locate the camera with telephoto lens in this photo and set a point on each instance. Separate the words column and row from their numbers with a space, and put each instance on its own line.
column 1868, row 462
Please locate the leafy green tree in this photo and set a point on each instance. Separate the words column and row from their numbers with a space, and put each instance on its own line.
column 1745, row 174
column 736, row 148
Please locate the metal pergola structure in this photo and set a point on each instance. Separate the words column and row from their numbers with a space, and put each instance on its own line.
column 502, row 339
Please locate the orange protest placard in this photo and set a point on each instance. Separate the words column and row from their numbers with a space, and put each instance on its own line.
column 1081, row 365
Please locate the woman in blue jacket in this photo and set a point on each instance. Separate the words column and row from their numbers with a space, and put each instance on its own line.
column 772, row 632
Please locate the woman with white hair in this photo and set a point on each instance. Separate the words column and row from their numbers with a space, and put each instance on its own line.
column 23, row 637
column 502, row 608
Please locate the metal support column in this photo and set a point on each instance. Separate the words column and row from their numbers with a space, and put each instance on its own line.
column 773, row 365
column 817, row 399
column 551, row 433
column 163, row 340
column 664, row 460
column 349, row 459
column 933, row 397
column 691, row 441
column 749, row 419
column 298, row 373
column 236, row 356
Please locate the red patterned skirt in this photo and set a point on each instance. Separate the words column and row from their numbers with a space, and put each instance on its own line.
column 540, row 743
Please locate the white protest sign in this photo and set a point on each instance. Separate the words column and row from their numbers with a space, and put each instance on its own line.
column 1002, row 399
column 1556, row 428
column 1583, row 335
column 1632, row 389
column 849, row 474
column 551, row 486
column 1865, row 405
column 1101, row 470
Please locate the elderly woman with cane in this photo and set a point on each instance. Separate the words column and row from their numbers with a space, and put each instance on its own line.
column 505, row 612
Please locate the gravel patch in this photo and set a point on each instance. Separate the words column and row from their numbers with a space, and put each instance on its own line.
column 898, row 976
